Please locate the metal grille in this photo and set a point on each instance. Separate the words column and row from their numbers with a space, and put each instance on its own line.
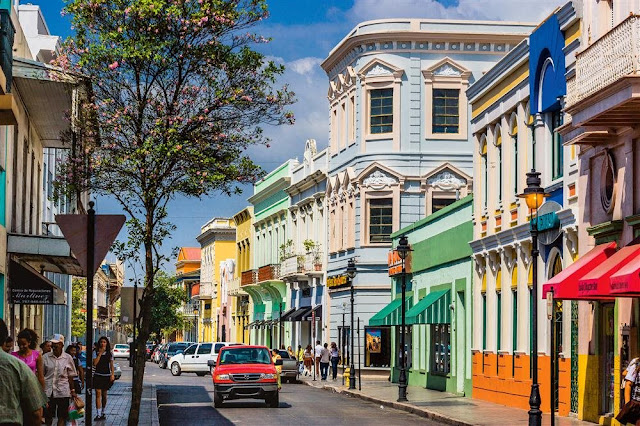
column 574, row 357
column 245, row 377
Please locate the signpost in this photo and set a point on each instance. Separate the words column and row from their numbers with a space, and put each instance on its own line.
column 90, row 238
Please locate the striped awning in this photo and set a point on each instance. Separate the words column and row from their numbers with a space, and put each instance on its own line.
column 392, row 313
column 431, row 309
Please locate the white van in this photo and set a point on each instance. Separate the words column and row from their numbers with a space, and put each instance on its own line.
column 195, row 359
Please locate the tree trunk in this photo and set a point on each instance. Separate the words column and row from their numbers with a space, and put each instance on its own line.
column 144, row 332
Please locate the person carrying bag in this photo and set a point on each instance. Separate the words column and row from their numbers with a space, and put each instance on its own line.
column 630, row 412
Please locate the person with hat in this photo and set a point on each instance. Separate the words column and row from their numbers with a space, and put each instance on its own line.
column 21, row 397
column 59, row 373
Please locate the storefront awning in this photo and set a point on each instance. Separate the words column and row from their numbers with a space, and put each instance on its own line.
column 28, row 287
column 596, row 282
column 44, row 253
column 285, row 316
column 250, row 325
column 565, row 284
column 431, row 309
column 391, row 314
column 627, row 279
column 299, row 314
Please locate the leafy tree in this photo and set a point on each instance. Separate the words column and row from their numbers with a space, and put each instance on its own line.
column 78, row 307
column 178, row 95
column 167, row 298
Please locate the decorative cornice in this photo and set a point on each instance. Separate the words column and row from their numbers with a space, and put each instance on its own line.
column 379, row 180
column 447, row 181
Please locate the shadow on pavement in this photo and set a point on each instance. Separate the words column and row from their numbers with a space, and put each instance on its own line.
column 197, row 411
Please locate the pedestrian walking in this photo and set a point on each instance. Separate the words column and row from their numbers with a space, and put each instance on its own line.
column 21, row 396
column 45, row 347
column 630, row 412
column 300, row 359
column 290, row 352
column 317, row 354
column 7, row 346
column 27, row 353
column 308, row 360
column 78, row 381
column 275, row 356
column 325, row 358
column 103, row 375
column 335, row 360
column 59, row 372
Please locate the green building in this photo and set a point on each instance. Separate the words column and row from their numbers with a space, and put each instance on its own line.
column 439, row 302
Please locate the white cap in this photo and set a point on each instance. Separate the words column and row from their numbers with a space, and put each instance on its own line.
column 57, row 338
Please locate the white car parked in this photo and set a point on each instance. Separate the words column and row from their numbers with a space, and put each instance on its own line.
column 195, row 359
column 121, row 351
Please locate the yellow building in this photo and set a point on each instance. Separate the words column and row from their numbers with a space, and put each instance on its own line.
column 217, row 241
column 188, row 276
column 241, row 306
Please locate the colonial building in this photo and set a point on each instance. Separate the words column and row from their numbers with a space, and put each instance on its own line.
column 217, row 241
column 601, row 125
column 241, row 306
column 188, row 278
column 108, row 282
column 515, row 119
column 400, row 140
column 268, row 292
column 303, row 269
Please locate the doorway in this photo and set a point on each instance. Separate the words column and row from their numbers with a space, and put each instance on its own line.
column 607, row 357
column 460, row 339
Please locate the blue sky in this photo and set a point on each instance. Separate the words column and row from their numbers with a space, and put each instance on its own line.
column 303, row 32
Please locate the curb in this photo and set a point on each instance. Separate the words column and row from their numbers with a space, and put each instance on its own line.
column 155, row 418
column 422, row 412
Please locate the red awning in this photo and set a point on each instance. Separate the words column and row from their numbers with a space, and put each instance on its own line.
column 627, row 279
column 565, row 284
column 596, row 282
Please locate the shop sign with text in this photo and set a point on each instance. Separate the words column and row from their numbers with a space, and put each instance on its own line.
column 337, row 281
column 394, row 261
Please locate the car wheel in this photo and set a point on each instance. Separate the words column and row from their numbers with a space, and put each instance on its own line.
column 201, row 374
column 175, row 369
column 217, row 400
column 274, row 400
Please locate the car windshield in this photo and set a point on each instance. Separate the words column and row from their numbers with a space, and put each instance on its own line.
column 240, row 355
column 178, row 346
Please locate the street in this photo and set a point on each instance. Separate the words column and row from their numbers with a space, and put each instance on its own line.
column 187, row 400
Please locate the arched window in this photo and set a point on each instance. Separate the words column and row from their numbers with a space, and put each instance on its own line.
column 498, row 144
column 485, row 171
column 513, row 131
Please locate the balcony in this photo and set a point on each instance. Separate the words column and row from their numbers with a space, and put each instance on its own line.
column 606, row 89
column 190, row 309
column 234, row 288
column 269, row 273
column 249, row 277
column 206, row 291
column 300, row 266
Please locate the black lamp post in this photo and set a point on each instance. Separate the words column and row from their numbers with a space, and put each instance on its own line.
column 534, row 196
column 351, row 273
column 403, row 250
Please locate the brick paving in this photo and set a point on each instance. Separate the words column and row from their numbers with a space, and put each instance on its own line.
column 443, row 407
column 119, row 402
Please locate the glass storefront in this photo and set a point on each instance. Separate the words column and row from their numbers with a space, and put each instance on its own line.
column 377, row 346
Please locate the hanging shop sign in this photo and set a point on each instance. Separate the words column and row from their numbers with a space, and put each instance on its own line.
column 548, row 222
column 337, row 281
column 394, row 261
column 32, row 296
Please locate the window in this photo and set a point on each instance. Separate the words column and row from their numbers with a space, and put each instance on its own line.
column 514, row 136
column 446, row 111
column 204, row 348
column 499, row 163
column 381, row 117
column 441, row 203
column 380, row 220
column 190, row 350
column 485, row 174
column 498, row 327
column 514, row 327
column 352, row 121
column 408, row 347
column 344, row 343
column 557, row 148
column 441, row 338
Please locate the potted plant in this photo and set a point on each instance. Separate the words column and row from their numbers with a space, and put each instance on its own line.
column 300, row 262
column 286, row 250
column 313, row 248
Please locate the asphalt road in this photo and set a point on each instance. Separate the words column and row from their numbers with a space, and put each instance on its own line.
column 187, row 400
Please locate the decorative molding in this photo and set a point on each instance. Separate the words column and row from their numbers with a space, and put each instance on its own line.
column 447, row 181
column 447, row 70
column 378, row 180
column 378, row 70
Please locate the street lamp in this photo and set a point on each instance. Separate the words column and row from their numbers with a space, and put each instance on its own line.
column 403, row 250
column 351, row 273
column 534, row 196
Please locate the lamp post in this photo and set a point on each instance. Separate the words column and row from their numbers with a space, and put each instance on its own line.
column 351, row 273
column 534, row 196
column 403, row 250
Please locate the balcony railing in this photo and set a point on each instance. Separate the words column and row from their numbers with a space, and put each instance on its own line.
column 249, row 277
column 269, row 272
column 189, row 309
column 234, row 287
column 298, row 265
column 607, row 60
column 206, row 290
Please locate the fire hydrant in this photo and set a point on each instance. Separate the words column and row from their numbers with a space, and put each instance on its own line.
column 347, row 376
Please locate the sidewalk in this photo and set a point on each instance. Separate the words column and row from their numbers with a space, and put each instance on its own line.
column 439, row 406
column 119, row 402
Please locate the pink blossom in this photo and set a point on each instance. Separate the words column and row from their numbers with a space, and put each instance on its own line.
column 114, row 65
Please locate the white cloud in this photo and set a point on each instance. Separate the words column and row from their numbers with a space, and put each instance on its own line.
column 503, row 10
column 304, row 65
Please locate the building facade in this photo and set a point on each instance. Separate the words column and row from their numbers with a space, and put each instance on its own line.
column 516, row 115
column 188, row 278
column 400, row 140
column 242, row 308
column 268, row 292
column 439, row 303
column 303, row 268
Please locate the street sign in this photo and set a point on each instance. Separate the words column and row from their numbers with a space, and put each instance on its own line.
column 74, row 229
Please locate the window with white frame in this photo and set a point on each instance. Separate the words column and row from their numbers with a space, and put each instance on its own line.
column 446, row 111
column 381, row 111
column 380, row 220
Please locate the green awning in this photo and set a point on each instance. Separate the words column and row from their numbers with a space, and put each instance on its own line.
column 431, row 309
column 391, row 314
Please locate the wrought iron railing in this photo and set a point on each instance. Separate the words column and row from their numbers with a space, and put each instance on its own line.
column 607, row 60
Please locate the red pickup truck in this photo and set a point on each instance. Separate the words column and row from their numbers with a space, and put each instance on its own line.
column 245, row 372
